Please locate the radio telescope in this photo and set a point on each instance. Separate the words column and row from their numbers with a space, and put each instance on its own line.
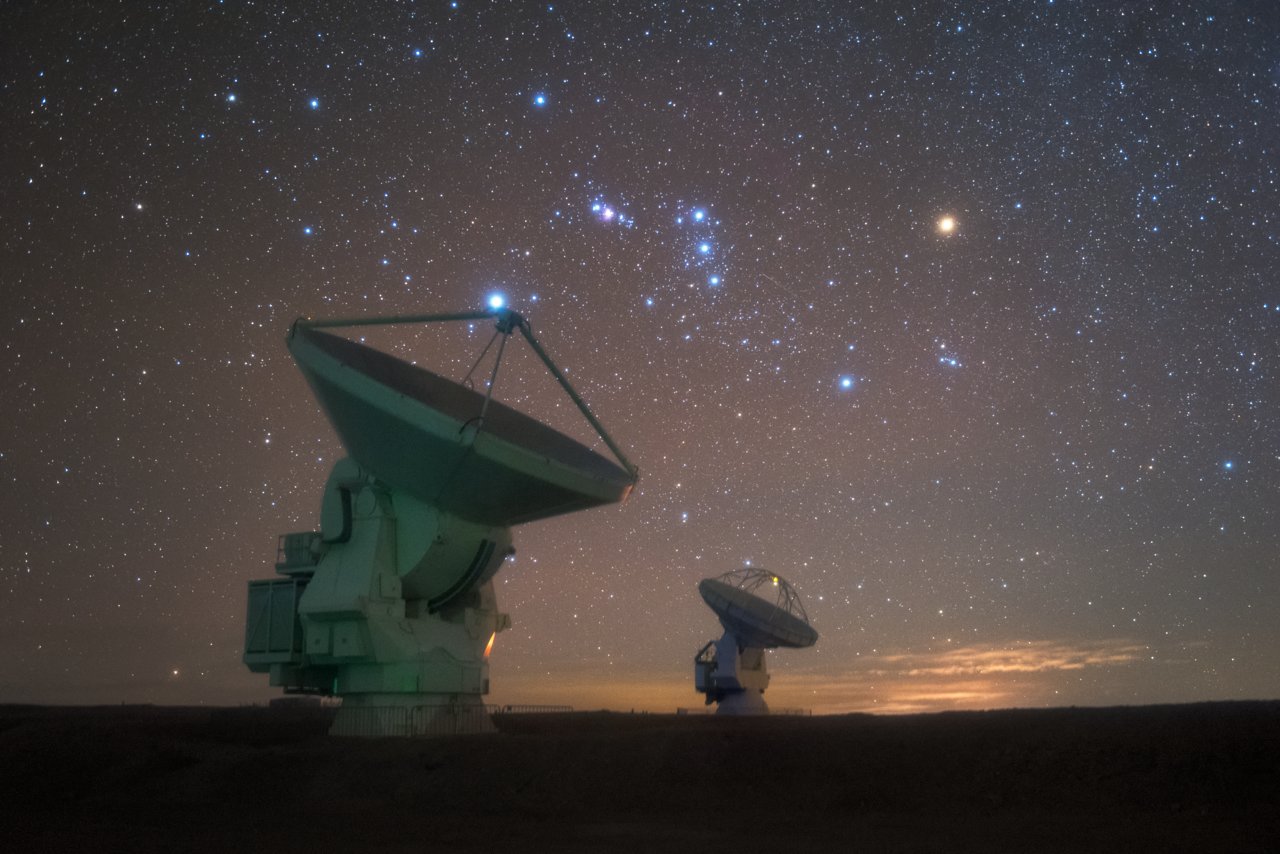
column 759, row 610
column 390, row 605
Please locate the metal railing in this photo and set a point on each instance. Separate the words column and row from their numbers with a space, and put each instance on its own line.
column 526, row 709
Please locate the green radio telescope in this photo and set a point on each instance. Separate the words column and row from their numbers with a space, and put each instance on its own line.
column 390, row 605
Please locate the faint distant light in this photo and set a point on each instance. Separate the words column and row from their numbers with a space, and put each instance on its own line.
column 539, row 100
column 846, row 383
column 497, row 301
column 314, row 103
column 714, row 281
column 704, row 248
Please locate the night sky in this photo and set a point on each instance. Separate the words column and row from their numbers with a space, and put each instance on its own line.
column 964, row 318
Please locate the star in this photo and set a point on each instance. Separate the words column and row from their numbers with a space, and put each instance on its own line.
column 946, row 225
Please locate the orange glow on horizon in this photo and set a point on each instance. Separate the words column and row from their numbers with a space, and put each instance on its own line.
column 1013, row 674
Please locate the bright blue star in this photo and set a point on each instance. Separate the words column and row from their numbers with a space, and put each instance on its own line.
column 699, row 214
column 704, row 248
column 307, row 230
column 949, row 361
column 417, row 52
column 539, row 100
column 846, row 383
column 713, row 281
column 1229, row 465
column 231, row 97
column 603, row 212
column 314, row 103
column 496, row 301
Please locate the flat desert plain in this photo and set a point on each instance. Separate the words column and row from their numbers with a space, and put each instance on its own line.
column 1193, row 778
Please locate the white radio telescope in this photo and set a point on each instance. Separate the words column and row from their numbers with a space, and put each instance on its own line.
column 759, row 610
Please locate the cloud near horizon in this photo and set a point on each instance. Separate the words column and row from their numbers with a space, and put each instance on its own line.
column 975, row 676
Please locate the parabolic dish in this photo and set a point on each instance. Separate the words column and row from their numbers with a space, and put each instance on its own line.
column 755, row 621
column 417, row 431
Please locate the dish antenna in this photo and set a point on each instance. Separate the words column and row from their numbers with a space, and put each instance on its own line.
column 759, row 610
column 390, row 605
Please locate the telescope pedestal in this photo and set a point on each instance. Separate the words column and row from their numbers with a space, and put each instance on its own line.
column 390, row 607
column 734, row 677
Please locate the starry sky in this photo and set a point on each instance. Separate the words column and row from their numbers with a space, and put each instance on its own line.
column 963, row 317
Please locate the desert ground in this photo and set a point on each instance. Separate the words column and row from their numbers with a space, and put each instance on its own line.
column 1194, row 778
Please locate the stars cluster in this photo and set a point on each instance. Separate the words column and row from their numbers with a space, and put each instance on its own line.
column 965, row 324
